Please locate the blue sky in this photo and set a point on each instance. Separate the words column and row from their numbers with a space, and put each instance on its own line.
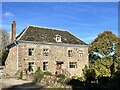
column 83, row 19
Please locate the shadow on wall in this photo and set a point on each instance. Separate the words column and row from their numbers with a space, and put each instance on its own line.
column 26, row 86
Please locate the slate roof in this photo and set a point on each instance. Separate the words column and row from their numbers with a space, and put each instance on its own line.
column 41, row 34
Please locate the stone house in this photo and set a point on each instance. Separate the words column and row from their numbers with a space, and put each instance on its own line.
column 56, row 51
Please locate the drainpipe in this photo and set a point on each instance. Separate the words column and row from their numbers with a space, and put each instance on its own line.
column 17, row 54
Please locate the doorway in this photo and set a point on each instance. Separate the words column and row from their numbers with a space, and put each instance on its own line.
column 59, row 67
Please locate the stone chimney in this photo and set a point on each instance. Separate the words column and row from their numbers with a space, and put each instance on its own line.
column 13, row 31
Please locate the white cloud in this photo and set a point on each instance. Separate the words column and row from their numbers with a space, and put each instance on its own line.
column 8, row 14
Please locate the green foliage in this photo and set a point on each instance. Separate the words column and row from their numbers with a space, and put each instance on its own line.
column 60, row 76
column 4, row 56
column 90, row 75
column 85, row 69
column 104, row 44
column 47, row 73
column 74, row 77
column 104, row 67
column 61, row 80
column 81, row 78
column 38, row 75
column 21, row 75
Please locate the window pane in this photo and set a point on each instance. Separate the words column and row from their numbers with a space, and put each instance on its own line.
column 30, row 51
column 80, row 54
column 73, row 64
column 69, row 53
column 45, row 66
column 31, row 66
column 45, row 52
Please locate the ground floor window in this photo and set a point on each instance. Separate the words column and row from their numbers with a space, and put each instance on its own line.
column 31, row 66
column 73, row 64
column 45, row 66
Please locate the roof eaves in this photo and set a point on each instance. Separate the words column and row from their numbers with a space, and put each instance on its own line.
column 47, row 43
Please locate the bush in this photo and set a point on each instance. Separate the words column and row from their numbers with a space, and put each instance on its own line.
column 90, row 75
column 60, row 76
column 47, row 73
column 21, row 75
column 74, row 77
column 38, row 75
column 81, row 78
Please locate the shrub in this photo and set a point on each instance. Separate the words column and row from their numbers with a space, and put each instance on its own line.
column 21, row 75
column 60, row 76
column 81, row 78
column 90, row 75
column 47, row 73
column 38, row 75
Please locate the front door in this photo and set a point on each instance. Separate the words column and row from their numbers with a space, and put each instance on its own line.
column 58, row 67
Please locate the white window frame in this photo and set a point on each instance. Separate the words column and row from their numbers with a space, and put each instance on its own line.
column 72, row 64
column 58, row 38
column 45, row 52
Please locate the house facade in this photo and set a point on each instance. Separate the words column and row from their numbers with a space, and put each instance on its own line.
column 56, row 51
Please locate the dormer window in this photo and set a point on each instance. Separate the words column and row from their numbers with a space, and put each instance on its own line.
column 80, row 53
column 58, row 38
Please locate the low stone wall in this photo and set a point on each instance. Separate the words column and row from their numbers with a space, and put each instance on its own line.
column 1, row 71
column 49, row 81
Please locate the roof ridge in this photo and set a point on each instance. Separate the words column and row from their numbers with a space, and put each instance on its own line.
column 47, row 28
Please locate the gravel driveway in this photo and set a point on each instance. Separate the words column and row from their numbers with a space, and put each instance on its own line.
column 14, row 84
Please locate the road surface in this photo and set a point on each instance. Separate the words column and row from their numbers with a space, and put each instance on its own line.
column 14, row 84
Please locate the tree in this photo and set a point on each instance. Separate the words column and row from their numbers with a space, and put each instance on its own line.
column 104, row 45
column 4, row 40
column 112, row 68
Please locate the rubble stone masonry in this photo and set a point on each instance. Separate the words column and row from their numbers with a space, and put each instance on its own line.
column 56, row 53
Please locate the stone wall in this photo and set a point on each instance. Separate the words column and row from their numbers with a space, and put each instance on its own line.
column 11, row 62
column 56, row 53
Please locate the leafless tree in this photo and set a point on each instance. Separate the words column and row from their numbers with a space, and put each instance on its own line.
column 4, row 40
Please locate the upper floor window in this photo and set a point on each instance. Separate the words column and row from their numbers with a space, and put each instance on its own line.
column 80, row 53
column 58, row 38
column 73, row 64
column 45, row 52
column 31, row 51
column 70, row 53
